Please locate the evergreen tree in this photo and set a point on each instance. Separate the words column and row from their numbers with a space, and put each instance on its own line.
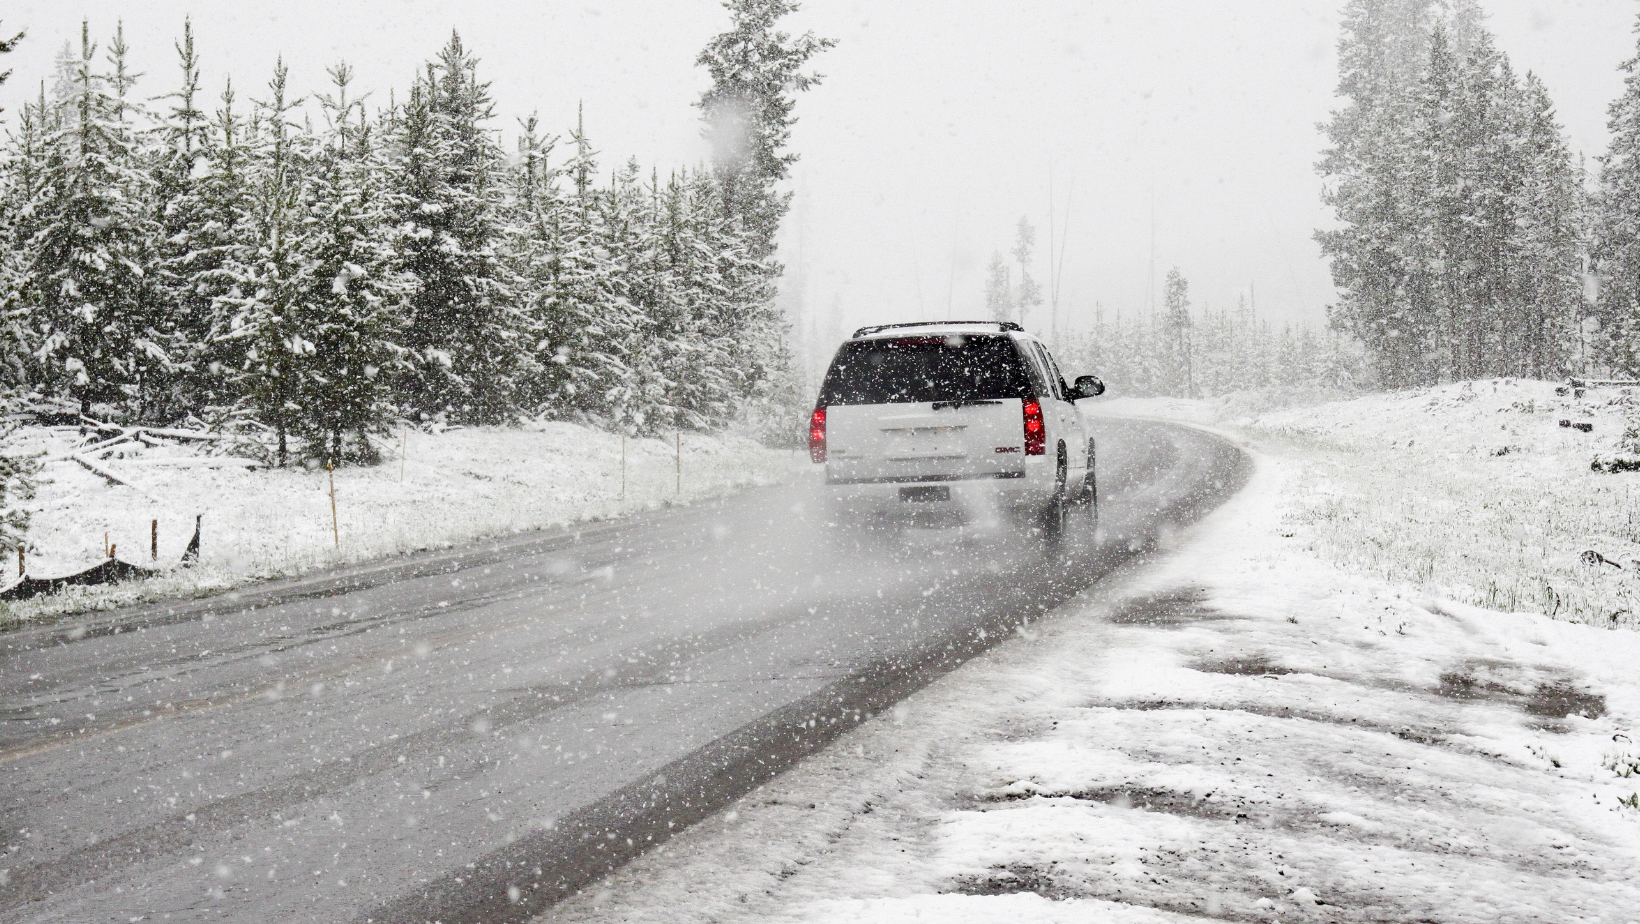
column 1176, row 333
column 350, row 317
column 756, row 69
column 22, row 179
column 217, row 222
column 271, row 273
column 999, row 290
column 629, row 389
column 1030, row 294
column 1382, row 57
column 1616, row 245
column 450, row 179
column 86, row 258
column 193, row 232
column 534, row 254
column 584, row 365
column 6, row 47
column 1549, row 241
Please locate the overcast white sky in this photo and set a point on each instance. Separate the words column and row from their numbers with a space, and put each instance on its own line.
column 936, row 126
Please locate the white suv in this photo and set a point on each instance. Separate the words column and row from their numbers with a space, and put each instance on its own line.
column 958, row 418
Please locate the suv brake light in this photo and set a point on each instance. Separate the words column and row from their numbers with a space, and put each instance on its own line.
column 817, row 435
column 1036, row 431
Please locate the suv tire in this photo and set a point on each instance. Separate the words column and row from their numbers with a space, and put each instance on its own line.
column 1088, row 495
column 1055, row 516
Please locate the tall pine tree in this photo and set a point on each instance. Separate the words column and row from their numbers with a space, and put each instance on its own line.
column 1381, row 57
column 271, row 272
column 756, row 68
column 89, row 250
column 1616, row 245
column 450, row 180
column 350, row 316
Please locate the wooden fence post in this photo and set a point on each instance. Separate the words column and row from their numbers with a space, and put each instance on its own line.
column 335, row 525
column 679, row 488
column 623, row 466
column 153, row 541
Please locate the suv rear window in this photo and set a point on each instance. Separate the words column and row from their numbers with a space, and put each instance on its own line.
column 915, row 369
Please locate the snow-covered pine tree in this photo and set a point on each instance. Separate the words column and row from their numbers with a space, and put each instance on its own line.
column 86, row 277
column 1176, row 334
column 1030, row 294
column 1382, row 55
column 756, row 69
column 1430, row 235
column 195, row 223
column 7, row 45
column 22, row 178
column 1547, row 241
column 749, row 328
column 350, row 318
column 533, row 252
column 272, row 271
column 622, row 390
column 1489, row 310
column 216, row 218
column 1616, row 245
column 17, row 188
column 710, row 361
column 999, row 290
column 464, row 325
column 575, row 315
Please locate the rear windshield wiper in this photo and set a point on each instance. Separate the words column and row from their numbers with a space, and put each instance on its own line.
column 942, row 405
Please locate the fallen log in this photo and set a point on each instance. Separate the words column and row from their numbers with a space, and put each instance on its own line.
column 198, row 462
column 112, row 478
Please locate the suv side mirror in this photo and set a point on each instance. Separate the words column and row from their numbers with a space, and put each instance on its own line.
column 1088, row 386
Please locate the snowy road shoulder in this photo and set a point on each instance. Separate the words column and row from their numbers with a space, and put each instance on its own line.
column 1238, row 732
column 432, row 491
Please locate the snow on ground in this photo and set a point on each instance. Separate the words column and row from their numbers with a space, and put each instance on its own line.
column 1256, row 728
column 448, row 487
column 1473, row 491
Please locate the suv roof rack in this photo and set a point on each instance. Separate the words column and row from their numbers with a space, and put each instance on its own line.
column 1000, row 325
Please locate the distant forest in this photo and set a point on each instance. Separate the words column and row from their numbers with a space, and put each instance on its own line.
column 1189, row 354
column 321, row 267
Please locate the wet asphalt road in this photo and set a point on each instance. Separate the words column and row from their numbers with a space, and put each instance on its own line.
column 470, row 735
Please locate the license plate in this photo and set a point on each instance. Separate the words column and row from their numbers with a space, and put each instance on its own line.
column 925, row 495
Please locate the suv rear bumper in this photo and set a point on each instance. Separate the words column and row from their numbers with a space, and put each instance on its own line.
column 942, row 497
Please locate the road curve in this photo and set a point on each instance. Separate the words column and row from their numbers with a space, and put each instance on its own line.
column 471, row 735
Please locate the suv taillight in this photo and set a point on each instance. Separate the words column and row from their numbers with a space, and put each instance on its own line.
column 817, row 435
column 1036, row 432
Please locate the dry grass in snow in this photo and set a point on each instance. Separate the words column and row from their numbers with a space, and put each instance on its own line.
column 1472, row 491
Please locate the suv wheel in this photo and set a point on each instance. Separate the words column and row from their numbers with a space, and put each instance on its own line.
column 1056, row 514
column 1088, row 495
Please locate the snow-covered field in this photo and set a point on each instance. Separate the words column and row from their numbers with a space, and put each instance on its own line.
column 1271, row 724
column 1472, row 491
column 448, row 487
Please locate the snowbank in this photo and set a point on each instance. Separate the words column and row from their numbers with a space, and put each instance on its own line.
column 1246, row 730
column 448, row 487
